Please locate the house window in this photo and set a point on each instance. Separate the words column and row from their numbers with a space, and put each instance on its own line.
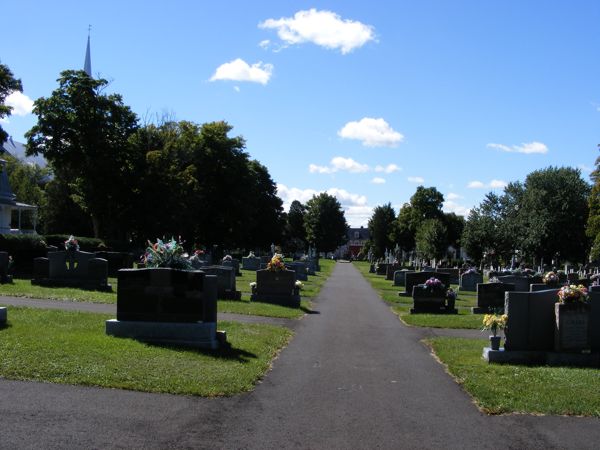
column 357, row 235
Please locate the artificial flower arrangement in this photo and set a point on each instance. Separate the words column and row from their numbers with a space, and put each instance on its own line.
column 299, row 285
column 433, row 284
column 71, row 244
column 253, row 287
column 166, row 254
column 276, row 264
column 573, row 294
column 494, row 322
column 227, row 258
column 550, row 278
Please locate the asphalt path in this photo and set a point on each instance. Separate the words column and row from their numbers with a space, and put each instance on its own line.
column 353, row 377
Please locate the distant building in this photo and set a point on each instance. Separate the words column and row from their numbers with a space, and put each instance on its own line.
column 9, row 205
column 357, row 238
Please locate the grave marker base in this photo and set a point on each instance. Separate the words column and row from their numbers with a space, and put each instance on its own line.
column 541, row 358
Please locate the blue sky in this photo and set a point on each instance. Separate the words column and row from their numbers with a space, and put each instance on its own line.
column 365, row 100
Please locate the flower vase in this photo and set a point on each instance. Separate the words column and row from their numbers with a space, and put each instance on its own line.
column 495, row 342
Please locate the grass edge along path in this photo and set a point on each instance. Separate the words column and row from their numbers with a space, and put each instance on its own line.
column 506, row 388
column 72, row 348
column 401, row 305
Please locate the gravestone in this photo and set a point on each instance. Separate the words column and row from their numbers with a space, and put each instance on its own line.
column 4, row 262
column 277, row 287
column 389, row 271
column 265, row 259
column 454, row 273
column 197, row 264
column 167, row 306
column 235, row 264
column 251, row 263
column 531, row 320
column 535, row 287
column 491, row 296
column 572, row 330
column 414, row 278
column 428, row 269
column 299, row 269
column 372, row 268
column 595, row 318
column 381, row 269
column 431, row 301
column 521, row 282
column 469, row 281
column 3, row 316
column 226, row 283
column 72, row 269
column 116, row 261
column 400, row 277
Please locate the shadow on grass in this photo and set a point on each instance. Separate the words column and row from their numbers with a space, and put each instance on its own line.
column 225, row 351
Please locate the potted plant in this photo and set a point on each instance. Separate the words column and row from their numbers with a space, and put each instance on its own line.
column 494, row 322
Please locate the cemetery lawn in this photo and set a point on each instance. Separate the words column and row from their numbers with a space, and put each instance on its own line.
column 72, row 348
column 24, row 288
column 401, row 305
column 244, row 306
column 505, row 388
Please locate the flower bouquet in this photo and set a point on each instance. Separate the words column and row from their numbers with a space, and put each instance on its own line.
column 166, row 254
column 551, row 279
column 71, row 244
column 276, row 264
column 434, row 284
column 573, row 294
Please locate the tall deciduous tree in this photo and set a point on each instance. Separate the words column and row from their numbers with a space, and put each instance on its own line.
column 83, row 133
column 432, row 239
column 380, row 228
column 295, row 231
column 593, row 222
column 8, row 85
column 325, row 222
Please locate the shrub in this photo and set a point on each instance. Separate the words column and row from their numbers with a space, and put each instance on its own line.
column 23, row 248
column 86, row 244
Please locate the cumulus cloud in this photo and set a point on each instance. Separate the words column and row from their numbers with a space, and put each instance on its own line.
column 390, row 168
column 378, row 180
column 323, row 28
column 371, row 132
column 341, row 164
column 452, row 196
column 355, row 206
column 453, row 207
column 20, row 103
column 240, row 70
column 531, row 147
column 494, row 184
column 416, row 179
column 585, row 168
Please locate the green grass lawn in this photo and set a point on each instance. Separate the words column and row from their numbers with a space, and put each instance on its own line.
column 24, row 288
column 401, row 305
column 72, row 348
column 505, row 388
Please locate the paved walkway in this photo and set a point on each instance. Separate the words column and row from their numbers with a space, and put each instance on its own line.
column 352, row 377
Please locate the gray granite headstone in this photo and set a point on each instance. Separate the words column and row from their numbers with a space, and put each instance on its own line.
column 400, row 277
column 469, row 281
column 521, row 282
column 490, row 296
column 251, row 263
column 414, row 278
column 226, row 282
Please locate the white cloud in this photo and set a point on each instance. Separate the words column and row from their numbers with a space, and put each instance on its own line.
column 475, row 185
column 240, row 70
column 494, row 184
column 324, row 28
column 355, row 206
column 453, row 207
column 390, row 168
column 452, row 196
column 378, row 180
column 416, row 179
column 585, row 168
column 372, row 132
column 236, row 88
column 21, row 104
column 339, row 163
column 4, row 120
column 498, row 184
column 531, row 147
column 313, row 168
column 264, row 44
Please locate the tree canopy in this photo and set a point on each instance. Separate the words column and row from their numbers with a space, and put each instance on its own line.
column 325, row 223
column 380, row 227
column 8, row 85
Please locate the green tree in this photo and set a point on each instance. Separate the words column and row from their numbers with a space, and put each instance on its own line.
column 455, row 225
column 553, row 212
column 83, row 134
column 432, row 239
column 380, row 228
column 593, row 221
column 8, row 85
column 325, row 223
column 403, row 232
column 295, row 231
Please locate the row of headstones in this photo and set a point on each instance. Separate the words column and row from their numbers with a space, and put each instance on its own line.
column 310, row 266
column 542, row 331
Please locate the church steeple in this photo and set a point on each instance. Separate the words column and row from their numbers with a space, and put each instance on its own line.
column 87, row 65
